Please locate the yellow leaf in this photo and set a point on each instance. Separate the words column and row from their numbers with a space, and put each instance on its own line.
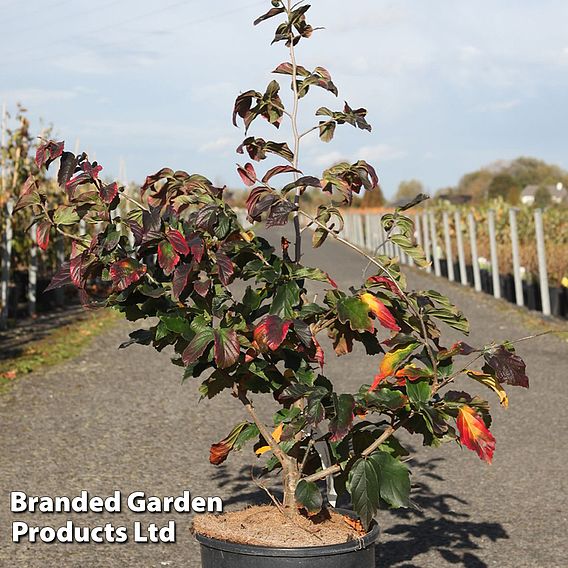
column 276, row 434
column 491, row 382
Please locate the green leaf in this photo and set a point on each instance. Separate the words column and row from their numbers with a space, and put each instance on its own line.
column 356, row 312
column 418, row 392
column 394, row 479
column 363, row 486
column 177, row 324
column 309, row 496
column 65, row 216
column 414, row 251
column 417, row 200
column 287, row 296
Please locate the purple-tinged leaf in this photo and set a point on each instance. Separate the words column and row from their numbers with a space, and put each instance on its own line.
column 270, row 14
column 278, row 214
column 47, row 152
column 168, row 258
column 42, row 234
column 197, row 345
column 196, row 246
column 75, row 265
column 202, row 287
column 180, row 279
column 225, row 268
column 278, row 170
column 287, row 69
column 28, row 194
column 61, row 278
column 125, row 272
column 227, row 348
column 178, row 241
column 66, row 168
column 108, row 191
column 257, row 149
column 340, row 424
column 509, row 368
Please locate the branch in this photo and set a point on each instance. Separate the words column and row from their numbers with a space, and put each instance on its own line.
column 274, row 446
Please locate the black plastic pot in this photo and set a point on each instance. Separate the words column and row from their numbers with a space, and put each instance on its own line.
column 531, row 293
column 507, row 287
column 355, row 554
column 486, row 281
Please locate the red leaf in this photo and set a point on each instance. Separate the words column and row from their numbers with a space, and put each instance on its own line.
column 474, row 434
column 271, row 332
column 248, row 175
column 380, row 311
column 168, row 258
column 178, row 241
column 108, row 192
column 225, row 268
column 42, row 234
column 125, row 272
column 386, row 283
column 47, row 152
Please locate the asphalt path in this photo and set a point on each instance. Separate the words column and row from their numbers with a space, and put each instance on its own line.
column 121, row 420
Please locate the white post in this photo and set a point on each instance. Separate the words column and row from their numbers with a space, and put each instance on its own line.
column 426, row 235
column 32, row 273
column 448, row 243
column 542, row 271
column 434, row 239
column 461, row 251
column 359, row 234
column 516, row 257
column 474, row 257
column 494, row 258
column 369, row 232
column 6, row 264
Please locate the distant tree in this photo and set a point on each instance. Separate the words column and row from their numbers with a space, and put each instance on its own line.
column 475, row 184
column 409, row 189
column 371, row 199
column 542, row 197
column 504, row 186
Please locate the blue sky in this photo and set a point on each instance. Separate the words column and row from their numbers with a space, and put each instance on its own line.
column 450, row 85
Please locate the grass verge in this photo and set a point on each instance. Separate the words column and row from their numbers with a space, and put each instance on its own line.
column 61, row 344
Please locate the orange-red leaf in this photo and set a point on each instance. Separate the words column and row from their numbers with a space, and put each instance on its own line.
column 391, row 361
column 474, row 434
column 380, row 311
column 219, row 451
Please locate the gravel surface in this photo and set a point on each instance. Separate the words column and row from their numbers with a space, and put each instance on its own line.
column 121, row 420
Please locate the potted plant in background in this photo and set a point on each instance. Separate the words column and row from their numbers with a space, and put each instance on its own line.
column 236, row 312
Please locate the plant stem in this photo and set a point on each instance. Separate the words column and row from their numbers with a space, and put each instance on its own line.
column 366, row 452
column 296, row 135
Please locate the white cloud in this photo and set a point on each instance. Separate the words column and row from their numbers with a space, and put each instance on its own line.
column 220, row 143
column 499, row 106
column 326, row 160
column 380, row 153
column 34, row 96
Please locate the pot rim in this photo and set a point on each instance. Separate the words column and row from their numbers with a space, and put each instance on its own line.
column 298, row 551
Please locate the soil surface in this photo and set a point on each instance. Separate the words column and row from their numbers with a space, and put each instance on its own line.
column 267, row 526
column 122, row 420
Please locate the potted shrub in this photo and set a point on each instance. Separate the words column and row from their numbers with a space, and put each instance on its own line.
column 236, row 313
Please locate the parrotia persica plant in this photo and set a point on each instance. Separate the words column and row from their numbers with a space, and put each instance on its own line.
column 236, row 312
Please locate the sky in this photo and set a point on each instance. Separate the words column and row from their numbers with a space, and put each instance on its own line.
column 450, row 85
